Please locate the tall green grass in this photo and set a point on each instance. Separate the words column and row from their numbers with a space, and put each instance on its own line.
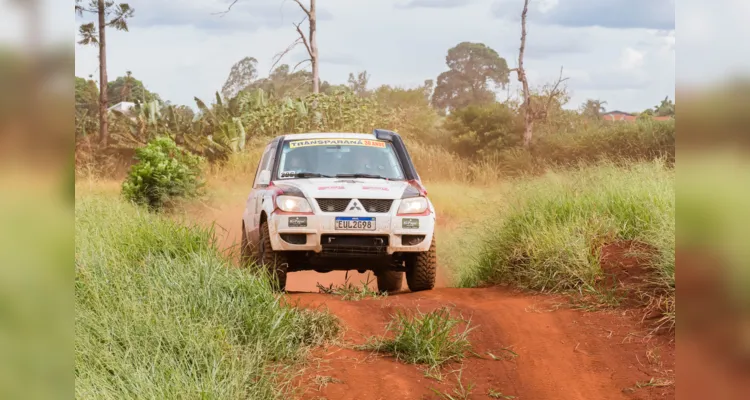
column 549, row 234
column 160, row 314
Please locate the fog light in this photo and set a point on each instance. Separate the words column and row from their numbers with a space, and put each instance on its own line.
column 412, row 240
column 294, row 238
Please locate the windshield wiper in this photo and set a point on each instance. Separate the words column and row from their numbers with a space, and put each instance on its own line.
column 360, row 176
column 311, row 175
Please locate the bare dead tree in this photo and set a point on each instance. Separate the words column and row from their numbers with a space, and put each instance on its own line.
column 532, row 112
column 310, row 42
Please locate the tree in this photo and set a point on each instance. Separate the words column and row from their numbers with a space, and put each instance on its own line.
column 532, row 111
column 129, row 88
column 86, row 106
column 358, row 84
column 243, row 73
column 665, row 108
column 310, row 42
column 109, row 15
column 472, row 67
column 593, row 109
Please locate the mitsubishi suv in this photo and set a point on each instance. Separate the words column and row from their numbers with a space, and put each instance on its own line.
column 340, row 201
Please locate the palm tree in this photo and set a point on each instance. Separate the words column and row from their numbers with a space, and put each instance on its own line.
column 95, row 35
column 593, row 108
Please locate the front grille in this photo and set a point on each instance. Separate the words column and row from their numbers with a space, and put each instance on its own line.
column 333, row 205
column 376, row 205
column 370, row 205
column 354, row 245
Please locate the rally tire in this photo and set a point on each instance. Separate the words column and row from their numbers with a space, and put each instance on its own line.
column 389, row 281
column 274, row 262
column 421, row 269
column 248, row 256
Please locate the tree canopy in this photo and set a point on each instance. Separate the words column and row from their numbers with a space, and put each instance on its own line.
column 86, row 95
column 474, row 70
column 128, row 88
column 243, row 73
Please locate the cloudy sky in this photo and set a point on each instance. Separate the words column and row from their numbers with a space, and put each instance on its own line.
column 621, row 51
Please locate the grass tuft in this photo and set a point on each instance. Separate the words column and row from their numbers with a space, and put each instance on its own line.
column 349, row 291
column 432, row 338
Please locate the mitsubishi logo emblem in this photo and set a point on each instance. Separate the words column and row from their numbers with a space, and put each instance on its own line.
column 355, row 206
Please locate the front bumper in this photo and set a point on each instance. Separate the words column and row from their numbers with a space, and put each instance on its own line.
column 317, row 226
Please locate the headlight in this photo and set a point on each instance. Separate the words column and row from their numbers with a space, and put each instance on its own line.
column 293, row 204
column 413, row 205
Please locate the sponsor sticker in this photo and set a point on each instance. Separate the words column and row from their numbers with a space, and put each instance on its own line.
column 330, row 187
column 410, row 223
column 336, row 142
column 383, row 188
column 297, row 222
column 289, row 174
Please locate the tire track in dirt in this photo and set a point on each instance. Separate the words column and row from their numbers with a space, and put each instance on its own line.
column 562, row 353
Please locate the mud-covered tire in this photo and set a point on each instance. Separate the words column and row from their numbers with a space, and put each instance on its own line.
column 275, row 262
column 390, row 281
column 421, row 269
column 247, row 250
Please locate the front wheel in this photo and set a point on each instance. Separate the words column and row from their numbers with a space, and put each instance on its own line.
column 421, row 269
column 275, row 262
column 247, row 253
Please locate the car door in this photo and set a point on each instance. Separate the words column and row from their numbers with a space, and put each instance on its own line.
column 253, row 204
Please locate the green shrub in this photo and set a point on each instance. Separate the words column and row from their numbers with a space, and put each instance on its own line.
column 163, row 173
column 482, row 129
column 160, row 314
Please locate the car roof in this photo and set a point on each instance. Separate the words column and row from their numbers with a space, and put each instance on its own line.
column 327, row 135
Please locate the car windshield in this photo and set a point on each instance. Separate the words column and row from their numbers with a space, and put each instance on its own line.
column 335, row 157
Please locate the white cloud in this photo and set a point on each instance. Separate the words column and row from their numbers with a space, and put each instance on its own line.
column 632, row 58
column 547, row 5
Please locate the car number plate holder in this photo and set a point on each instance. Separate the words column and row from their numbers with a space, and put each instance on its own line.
column 354, row 223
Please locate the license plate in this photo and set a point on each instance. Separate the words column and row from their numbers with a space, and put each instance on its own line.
column 355, row 223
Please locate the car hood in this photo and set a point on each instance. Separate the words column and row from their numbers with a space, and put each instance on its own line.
column 346, row 188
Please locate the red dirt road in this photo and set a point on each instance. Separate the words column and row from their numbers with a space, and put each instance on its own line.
column 561, row 353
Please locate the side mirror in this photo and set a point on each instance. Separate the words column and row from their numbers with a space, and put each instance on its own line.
column 264, row 178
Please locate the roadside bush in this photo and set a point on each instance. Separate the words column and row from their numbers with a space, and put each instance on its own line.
column 163, row 173
column 479, row 130
column 550, row 234
column 160, row 314
column 594, row 141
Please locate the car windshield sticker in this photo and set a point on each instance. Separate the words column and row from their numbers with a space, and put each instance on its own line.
column 336, row 142
column 288, row 174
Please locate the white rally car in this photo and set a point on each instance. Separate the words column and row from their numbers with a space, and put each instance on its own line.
column 340, row 201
